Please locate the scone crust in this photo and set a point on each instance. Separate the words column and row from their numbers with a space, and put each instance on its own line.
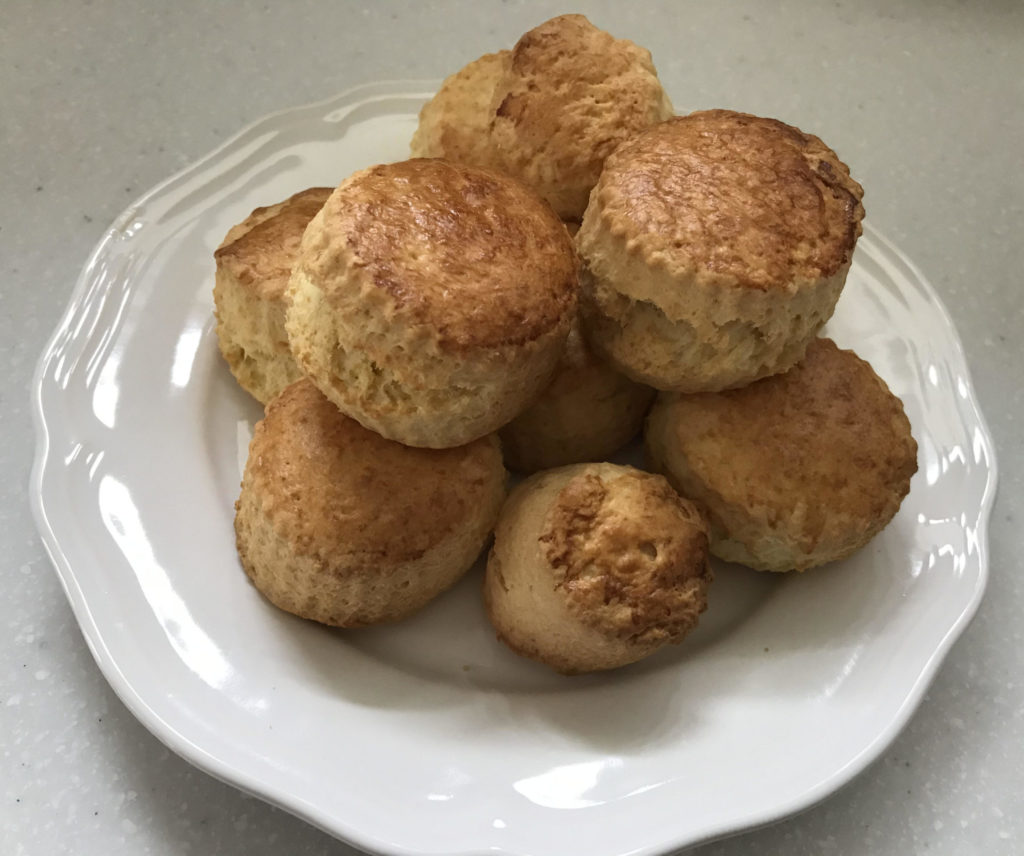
column 260, row 251
column 715, row 248
column 431, row 301
column 470, row 255
column 733, row 198
column 455, row 123
column 595, row 566
column 795, row 470
column 587, row 413
column 332, row 488
column 570, row 95
column 337, row 525
column 254, row 263
column 629, row 555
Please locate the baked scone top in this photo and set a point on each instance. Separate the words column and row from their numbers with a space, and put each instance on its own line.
column 333, row 488
column 471, row 254
column 734, row 197
column 630, row 555
column 259, row 252
column 826, row 440
column 570, row 95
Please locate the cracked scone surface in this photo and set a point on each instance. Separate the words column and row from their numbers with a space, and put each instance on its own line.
column 587, row 413
column 595, row 566
column 715, row 248
column 795, row 470
column 336, row 524
column 431, row 301
column 254, row 262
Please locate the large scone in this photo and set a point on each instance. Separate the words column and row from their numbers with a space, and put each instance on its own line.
column 715, row 247
column 587, row 413
column 336, row 524
column 796, row 470
column 549, row 112
column 254, row 263
column 431, row 301
column 595, row 566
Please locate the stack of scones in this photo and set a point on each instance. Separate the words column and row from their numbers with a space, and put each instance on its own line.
column 562, row 264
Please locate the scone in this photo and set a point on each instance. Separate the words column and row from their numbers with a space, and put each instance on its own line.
column 336, row 524
column 715, row 247
column 587, row 413
column 254, row 263
column 548, row 112
column 595, row 566
column 796, row 470
column 455, row 123
column 431, row 301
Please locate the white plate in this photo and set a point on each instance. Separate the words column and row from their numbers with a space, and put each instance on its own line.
column 430, row 737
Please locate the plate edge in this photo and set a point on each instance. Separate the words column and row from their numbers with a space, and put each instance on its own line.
column 199, row 757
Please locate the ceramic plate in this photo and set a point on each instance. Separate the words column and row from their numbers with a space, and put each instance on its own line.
column 429, row 737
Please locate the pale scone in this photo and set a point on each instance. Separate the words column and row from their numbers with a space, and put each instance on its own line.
column 455, row 123
column 795, row 470
column 431, row 301
column 549, row 111
column 715, row 247
column 336, row 524
column 595, row 566
column 587, row 413
column 254, row 263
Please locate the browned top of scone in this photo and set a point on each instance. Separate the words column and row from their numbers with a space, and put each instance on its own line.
column 259, row 252
column 332, row 488
column 827, row 436
column 629, row 554
column 732, row 196
column 473, row 255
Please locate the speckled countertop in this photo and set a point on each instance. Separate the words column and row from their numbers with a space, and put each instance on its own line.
column 98, row 102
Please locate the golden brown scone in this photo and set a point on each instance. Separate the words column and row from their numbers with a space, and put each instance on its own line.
column 795, row 470
column 587, row 413
column 455, row 123
column 336, row 524
column 595, row 566
column 253, row 265
column 571, row 94
column 549, row 111
column 715, row 247
column 431, row 301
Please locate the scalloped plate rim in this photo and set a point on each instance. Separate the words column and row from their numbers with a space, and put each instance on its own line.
column 248, row 781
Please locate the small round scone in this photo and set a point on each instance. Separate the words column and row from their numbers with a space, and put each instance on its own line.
column 336, row 524
column 570, row 95
column 715, row 247
column 595, row 566
column 455, row 123
column 547, row 112
column 431, row 301
column 587, row 413
column 254, row 263
column 795, row 470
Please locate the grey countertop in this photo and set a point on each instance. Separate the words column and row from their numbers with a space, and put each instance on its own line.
column 100, row 101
